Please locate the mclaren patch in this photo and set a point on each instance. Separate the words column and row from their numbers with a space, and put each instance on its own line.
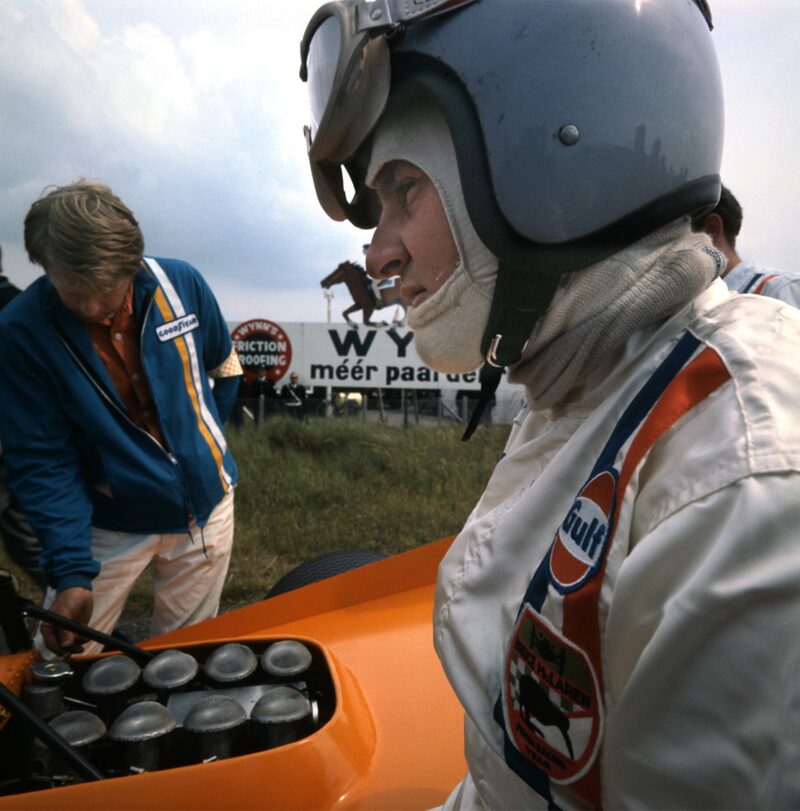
column 551, row 704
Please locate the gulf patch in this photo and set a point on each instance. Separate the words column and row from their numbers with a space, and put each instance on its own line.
column 553, row 715
column 579, row 545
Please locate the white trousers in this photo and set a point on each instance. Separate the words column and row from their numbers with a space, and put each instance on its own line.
column 189, row 571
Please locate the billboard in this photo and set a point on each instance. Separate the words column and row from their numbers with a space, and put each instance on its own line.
column 341, row 356
column 263, row 347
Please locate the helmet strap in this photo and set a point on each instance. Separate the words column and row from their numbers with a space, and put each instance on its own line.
column 489, row 377
column 520, row 300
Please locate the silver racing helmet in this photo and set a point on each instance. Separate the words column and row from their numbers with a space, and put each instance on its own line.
column 579, row 126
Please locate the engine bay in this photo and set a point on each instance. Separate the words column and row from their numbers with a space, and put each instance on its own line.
column 113, row 716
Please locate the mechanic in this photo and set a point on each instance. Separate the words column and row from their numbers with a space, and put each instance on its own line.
column 111, row 424
column 723, row 225
column 618, row 615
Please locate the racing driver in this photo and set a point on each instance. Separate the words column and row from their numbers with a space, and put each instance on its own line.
column 619, row 614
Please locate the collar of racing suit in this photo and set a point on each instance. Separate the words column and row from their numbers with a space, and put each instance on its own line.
column 596, row 310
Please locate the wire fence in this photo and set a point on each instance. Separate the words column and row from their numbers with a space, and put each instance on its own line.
column 396, row 406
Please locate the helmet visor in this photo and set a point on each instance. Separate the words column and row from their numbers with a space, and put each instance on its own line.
column 321, row 64
column 346, row 67
column 346, row 62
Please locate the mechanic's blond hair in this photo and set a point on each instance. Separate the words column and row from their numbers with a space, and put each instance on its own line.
column 84, row 228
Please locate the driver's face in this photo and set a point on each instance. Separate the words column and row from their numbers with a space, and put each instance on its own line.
column 413, row 238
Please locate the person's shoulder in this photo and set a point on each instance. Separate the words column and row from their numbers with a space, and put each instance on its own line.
column 173, row 267
column 754, row 323
column 758, row 340
column 27, row 305
column 7, row 296
column 179, row 273
column 751, row 277
column 8, row 290
column 747, row 424
column 780, row 284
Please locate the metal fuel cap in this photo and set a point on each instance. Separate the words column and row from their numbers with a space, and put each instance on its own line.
column 51, row 672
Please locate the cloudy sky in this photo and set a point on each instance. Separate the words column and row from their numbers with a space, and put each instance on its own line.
column 192, row 111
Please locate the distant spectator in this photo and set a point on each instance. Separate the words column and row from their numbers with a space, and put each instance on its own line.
column 266, row 396
column 19, row 542
column 265, row 385
column 294, row 397
column 8, row 291
column 745, row 276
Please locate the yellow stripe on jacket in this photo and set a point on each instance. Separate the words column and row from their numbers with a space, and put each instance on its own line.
column 180, row 344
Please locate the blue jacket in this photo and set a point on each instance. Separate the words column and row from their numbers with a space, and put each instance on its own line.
column 74, row 457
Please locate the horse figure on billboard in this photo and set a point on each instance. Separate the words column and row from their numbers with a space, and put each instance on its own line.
column 365, row 296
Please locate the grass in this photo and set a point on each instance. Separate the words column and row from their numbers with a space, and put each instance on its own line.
column 309, row 488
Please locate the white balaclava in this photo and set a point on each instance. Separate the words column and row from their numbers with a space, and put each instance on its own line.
column 448, row 325
column 597, row 309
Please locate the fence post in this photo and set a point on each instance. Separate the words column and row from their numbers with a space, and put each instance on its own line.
column 380, row 405
column 261, row 406
column 364, row 407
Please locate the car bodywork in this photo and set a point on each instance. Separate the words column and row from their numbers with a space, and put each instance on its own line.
column 387, row 730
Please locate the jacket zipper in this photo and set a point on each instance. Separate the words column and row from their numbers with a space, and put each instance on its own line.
column 187, row 501
column 110, row 400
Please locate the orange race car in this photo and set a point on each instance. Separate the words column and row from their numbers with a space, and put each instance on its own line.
column 326, row 696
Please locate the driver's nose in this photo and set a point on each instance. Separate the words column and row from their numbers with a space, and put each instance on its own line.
column 386, row 255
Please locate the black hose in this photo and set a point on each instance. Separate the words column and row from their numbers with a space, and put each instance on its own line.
column 30, row 609
column 48, row 735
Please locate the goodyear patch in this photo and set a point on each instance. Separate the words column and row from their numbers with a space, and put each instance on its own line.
column 553, row 715
column 579, row 545
column 180, row 326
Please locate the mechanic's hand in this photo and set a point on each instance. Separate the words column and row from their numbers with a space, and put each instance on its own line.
column 75, row 604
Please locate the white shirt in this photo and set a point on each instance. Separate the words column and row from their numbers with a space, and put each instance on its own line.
column 748, row 277
column 699, row 605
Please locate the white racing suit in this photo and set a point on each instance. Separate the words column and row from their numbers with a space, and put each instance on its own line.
column 620, row 616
